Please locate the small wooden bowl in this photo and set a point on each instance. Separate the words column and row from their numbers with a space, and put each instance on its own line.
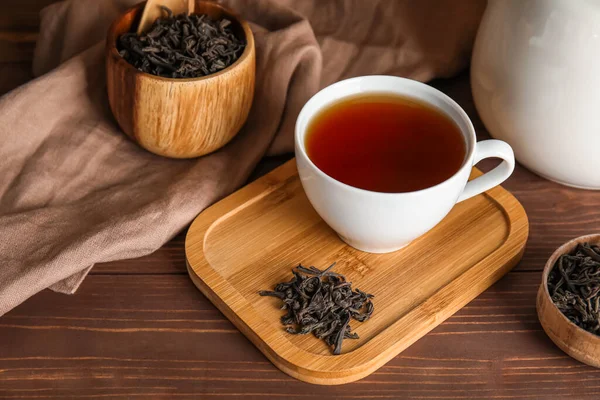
column 180, row 118
column 573, row 340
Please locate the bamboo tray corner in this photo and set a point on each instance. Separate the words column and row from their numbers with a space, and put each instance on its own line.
column 250, row 240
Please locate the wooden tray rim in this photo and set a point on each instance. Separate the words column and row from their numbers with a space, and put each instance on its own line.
column 354, row 365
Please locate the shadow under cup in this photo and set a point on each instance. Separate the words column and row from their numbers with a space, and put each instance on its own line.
column 379, row 222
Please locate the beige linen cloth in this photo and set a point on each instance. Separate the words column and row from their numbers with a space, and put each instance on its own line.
column 74, row 191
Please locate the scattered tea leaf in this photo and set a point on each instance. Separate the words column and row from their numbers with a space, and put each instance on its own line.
column 321, row 302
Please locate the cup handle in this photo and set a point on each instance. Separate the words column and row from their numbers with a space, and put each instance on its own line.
column 490, row 149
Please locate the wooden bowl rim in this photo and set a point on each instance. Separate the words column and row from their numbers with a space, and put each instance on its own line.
column 112, row 45
column 565, row 248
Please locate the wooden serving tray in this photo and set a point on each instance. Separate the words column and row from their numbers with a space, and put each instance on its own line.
column 250, row 241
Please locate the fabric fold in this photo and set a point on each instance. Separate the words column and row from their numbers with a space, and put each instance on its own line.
column 75, row 191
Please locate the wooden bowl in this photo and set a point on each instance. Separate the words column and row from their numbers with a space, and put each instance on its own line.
column 573, row 340
column 180, row 118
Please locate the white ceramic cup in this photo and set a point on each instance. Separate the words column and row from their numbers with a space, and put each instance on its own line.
column 383, row 222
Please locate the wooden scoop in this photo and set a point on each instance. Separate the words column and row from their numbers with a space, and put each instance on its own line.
column 153, row 11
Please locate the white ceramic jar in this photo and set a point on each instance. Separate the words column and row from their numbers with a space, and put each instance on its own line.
column 535, row 76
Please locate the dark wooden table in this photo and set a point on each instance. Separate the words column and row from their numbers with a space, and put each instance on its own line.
column 140, row 329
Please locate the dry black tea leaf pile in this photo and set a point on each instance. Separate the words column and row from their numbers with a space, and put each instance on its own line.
column 574, row 285
column 321, row 302
column 183, row 46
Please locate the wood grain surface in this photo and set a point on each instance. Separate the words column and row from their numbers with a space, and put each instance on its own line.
column 573, row 340
column 180, row 118
column 153, row 11
column 158, row 337
column 415, row 289
column 141, row 329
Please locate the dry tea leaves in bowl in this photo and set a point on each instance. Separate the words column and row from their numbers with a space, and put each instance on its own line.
column 321, row 303
column 183, row 46
column 574, row 286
